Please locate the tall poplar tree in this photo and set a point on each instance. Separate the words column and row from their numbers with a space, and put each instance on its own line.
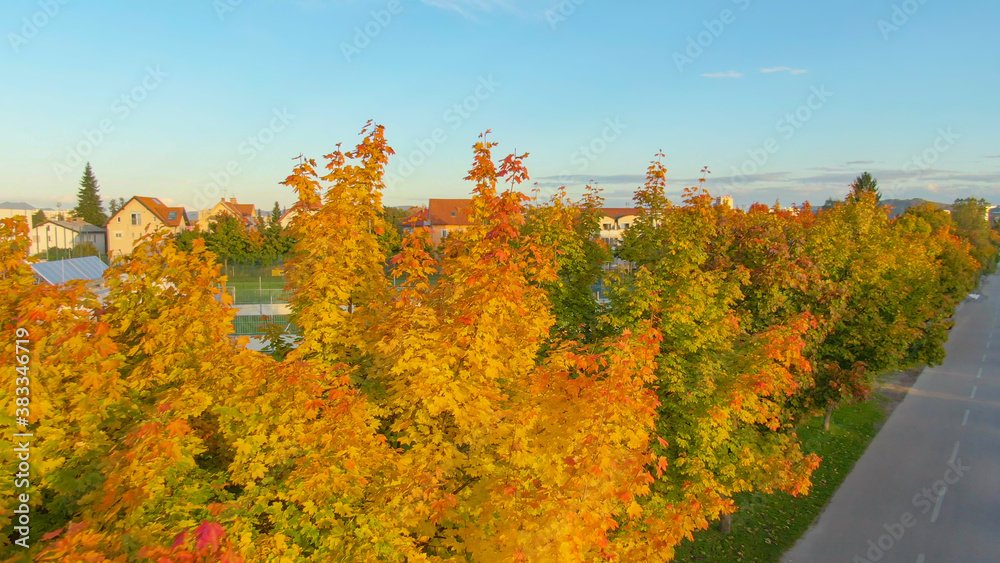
column 89, row 206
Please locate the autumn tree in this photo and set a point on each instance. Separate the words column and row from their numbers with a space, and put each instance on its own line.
column 725, row 415
column 573, row 230
column 466, row 415
column 971, row 223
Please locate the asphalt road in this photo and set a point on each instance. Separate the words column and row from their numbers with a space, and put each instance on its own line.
column 928, row 488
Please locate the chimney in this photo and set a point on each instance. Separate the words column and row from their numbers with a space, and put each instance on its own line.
column 232, row 200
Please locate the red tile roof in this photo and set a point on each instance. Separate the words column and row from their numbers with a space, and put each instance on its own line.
column 245, row 210
column 448, row 211
column 416, row 216
column 617, row 212
column 170, row 216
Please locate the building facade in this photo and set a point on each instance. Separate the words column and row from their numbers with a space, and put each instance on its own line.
column 139, row 216
column 447, row 216
column 67, row 235
column 246, row 212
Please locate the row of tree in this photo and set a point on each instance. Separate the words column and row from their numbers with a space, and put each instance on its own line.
column 484, row 409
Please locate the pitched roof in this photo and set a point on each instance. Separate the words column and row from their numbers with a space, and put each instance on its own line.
column 76, row 226
column 416, row 217
column 448, row 211
column 315, row 206
column 617, row 212
column 170, row 216
column 245, row 210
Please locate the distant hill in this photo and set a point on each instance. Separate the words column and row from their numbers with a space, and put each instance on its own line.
column 899, row 206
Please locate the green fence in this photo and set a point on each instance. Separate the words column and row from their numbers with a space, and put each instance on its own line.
column 253, row 325
column 247, row 273
column 253, row 294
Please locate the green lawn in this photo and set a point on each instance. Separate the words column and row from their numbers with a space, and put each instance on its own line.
column 768, row 525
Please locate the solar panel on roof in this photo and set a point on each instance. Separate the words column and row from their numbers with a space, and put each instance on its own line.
column 89, row 268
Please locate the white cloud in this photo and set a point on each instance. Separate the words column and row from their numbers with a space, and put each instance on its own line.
column 729, row 74
column 783, row 69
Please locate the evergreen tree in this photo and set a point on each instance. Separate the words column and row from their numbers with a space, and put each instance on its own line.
column 276, row 242
column 864, row 183
column 115, row 205
column 89, row 206
column 38, row 218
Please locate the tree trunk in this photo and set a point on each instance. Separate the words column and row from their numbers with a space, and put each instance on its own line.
column 829, row 415
column 726, row 524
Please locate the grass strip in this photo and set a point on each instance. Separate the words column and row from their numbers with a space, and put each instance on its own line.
column 766, row 526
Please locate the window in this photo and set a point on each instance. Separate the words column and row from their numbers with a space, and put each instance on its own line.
column 444, row 233
column 625, row 226
column 136, row 218
column 171, row 216
column 607, row 226
column 119, row 218
column 452, row 213
column 118, row 235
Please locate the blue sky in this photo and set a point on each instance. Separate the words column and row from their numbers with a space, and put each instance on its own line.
column 186, row 89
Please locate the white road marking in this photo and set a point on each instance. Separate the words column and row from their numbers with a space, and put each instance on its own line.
column 920, row 559
column 965, row 419
column 980, row 374
column 974, row 389
column 954, row 453
column 937, row 507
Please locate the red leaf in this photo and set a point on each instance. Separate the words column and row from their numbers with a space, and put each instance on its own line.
column 209, row 533
column 52, row 534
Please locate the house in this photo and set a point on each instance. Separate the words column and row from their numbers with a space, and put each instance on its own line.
column 291, row 212
column 10, row 209
column 138, row 216
column 993, row 214
column 616, row 221
column 416, row 217
column 447, row 216
column 246, row 212
column 67, row 235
